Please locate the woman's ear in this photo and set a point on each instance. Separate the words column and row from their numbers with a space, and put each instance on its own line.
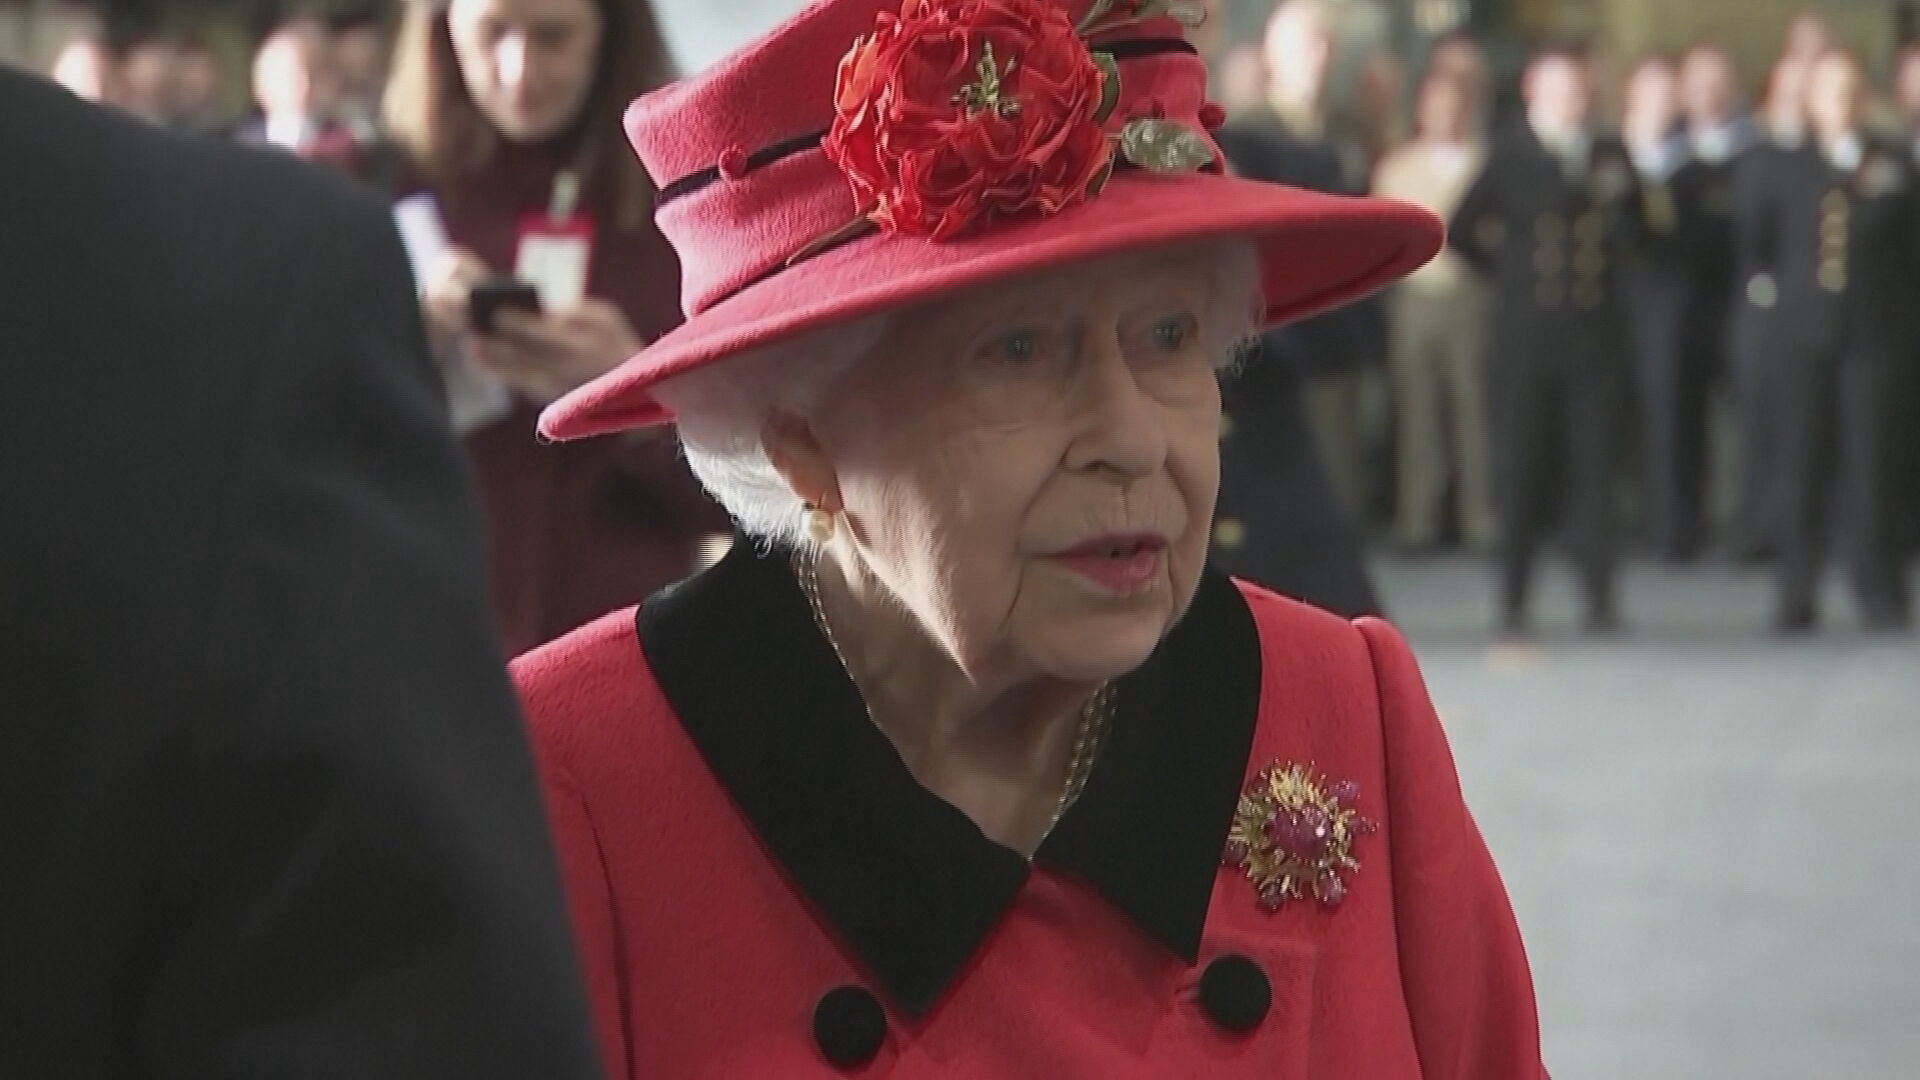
column 796, row 454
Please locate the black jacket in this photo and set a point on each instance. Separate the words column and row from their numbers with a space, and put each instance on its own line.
column 265, row 803
column 1841, row 250
column 1553, row 246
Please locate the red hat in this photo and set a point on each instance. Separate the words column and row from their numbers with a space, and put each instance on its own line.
column 870, row 154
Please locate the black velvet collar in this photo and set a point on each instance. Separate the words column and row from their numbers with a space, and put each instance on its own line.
column 907, row 880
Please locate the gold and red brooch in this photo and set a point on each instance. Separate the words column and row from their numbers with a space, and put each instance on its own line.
column 953, row 114
column 1293, row 834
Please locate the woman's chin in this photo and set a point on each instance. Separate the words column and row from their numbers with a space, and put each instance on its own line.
column 1100, row 648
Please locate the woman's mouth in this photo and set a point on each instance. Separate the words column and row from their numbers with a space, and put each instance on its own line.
column 1121, row 564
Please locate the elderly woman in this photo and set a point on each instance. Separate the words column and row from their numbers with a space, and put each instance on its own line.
column 962, row 763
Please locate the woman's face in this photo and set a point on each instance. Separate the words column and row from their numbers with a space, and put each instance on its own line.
column 1443, row 111
column 1031, row 468
column 529, row 64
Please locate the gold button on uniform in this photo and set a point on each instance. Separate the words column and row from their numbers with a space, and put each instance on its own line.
column 1229, row 532
column 1834, row 210
column 1590, row 226
column 1590, row 260
column 1226, row 427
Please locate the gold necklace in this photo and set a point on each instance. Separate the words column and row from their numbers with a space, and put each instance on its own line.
column 1096, row 716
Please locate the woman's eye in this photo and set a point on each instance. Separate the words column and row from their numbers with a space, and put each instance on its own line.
column 1018, row 346
column 1173, row 332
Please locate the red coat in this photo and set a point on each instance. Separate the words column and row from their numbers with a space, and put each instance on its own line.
column 576, row 530
column 758, row 885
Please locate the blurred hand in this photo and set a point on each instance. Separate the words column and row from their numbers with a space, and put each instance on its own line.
column 444, row 301
column 544, row 356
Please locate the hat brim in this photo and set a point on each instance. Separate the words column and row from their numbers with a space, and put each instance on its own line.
column 1316, row 252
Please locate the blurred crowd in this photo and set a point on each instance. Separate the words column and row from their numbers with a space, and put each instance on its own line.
column 1682, row 330
column 324, row 68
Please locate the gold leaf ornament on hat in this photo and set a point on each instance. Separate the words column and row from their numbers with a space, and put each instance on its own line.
column 1162, row 146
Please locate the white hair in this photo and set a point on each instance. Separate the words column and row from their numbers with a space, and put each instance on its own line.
column 722, row 409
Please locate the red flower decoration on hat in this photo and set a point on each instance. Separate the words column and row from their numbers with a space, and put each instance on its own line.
column 955, row 112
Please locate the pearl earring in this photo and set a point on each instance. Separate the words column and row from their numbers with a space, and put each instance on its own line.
column 820, row 524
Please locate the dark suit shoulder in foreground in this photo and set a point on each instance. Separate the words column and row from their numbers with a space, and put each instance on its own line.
column 265, row 806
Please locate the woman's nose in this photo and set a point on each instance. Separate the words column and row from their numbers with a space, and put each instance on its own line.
column 1123, row 429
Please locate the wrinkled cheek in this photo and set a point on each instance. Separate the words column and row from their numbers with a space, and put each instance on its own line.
column 1197, row 476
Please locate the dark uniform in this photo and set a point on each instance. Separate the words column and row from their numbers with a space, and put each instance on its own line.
column 1278, row 521
column 1910, row 433
column 1842, row 246
column 1755, row 345
column 1553, row 241
column 1677, row 293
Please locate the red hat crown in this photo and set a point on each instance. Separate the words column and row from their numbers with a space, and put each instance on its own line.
column 778, row 150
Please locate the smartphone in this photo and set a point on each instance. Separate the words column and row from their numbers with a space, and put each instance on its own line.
column 489, row 298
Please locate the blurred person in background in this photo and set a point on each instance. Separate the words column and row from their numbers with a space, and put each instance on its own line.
column 1437, row 357
column 1550, row 220
column 1379, row 109
column 1906, row 82
column 296, row 92
column 1807, row 37
column 266, row 807
column 1783, row 109
column 85, row 66
column 361, row 55
column 511, row 111
column 1838, row 232
column 1720, row 137
column 150, row 81
column 1457, row 55
column 1718, row 130
column 1282, row 518
column 1295, row 147
column 1672, row 365
column 1755, row 337
column 1240, row 80
column 1292, row 145
column 202, row 85
column 1906, row 94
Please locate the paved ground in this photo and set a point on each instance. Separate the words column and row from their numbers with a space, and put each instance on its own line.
column 1708, row 834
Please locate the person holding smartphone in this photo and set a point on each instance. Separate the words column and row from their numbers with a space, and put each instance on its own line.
column 510, row 110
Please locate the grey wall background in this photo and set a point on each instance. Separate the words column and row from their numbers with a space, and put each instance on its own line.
column 703, row 31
